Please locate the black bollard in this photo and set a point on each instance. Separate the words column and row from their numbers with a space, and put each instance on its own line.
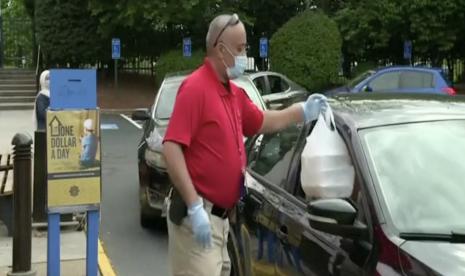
column 22, row 223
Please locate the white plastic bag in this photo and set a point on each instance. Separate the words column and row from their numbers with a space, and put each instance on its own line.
column 155, row 141
column 153, row 153
column 327, row 170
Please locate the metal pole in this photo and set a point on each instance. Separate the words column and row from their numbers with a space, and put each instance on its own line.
column 22, row 223
column 92, row 242
column 53, row 245
column 39, row 213
column 116, row 73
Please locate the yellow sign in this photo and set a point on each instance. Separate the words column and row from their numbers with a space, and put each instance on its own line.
column 73, row 158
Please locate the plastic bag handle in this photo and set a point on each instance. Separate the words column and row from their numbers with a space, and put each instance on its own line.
column 329, row 113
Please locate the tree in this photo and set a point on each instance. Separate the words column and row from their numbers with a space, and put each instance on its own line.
column 376, row 30
column 17, row 34
column 67, row 33
column 174, row 62
column 308, row 50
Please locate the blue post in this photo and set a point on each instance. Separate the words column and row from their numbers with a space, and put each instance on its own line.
column 53, row 245
column 92, row 242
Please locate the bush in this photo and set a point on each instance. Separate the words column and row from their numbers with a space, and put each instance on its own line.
column 173, row 61
column 308, row 50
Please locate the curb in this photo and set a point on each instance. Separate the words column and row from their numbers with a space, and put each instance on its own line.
column 104, row 264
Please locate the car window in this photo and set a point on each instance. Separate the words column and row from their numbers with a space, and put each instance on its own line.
column 445, row 77
column 246, row 84
column 418, row 169
column 386, row 81
column 359, row 79
column 166, row 100
column 412, row 79
column 277, row 84
column 274, row 154
column 261, row 85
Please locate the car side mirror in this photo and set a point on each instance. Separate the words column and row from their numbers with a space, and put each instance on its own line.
column 367, row 88
column 141, row 115
column 337, row 217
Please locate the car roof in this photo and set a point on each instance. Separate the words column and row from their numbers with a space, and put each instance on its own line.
column 360, row 111
column 408, row 68
column 177, row 77
column 262, row 73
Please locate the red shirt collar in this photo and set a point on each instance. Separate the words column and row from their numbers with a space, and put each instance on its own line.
column 220, row 88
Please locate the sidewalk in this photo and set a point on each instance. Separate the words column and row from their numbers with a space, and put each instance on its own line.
column 72, row 250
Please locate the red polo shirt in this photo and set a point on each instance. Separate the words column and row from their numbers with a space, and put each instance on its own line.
column 210, row 122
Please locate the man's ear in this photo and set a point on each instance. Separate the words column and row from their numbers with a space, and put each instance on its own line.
column 221, row 50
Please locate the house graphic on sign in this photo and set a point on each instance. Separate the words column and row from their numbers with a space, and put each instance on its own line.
column 55, row 126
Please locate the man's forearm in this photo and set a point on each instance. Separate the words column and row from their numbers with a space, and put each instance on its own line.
column 178, row 172
column 275, row 120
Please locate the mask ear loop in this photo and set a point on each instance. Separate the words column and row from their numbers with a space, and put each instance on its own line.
column 229, row 52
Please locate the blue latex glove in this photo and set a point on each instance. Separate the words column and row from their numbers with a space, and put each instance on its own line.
column 200, row 224
column 315, row 104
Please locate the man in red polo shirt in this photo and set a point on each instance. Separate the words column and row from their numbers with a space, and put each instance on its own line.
column 205, row 153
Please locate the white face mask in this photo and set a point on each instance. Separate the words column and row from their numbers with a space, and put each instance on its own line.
column 240, row 63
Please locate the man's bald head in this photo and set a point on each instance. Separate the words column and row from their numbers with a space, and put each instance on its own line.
column 226, row 39
column 220, row 27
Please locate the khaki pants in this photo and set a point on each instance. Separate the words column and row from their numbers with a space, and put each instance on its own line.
column 189, row 258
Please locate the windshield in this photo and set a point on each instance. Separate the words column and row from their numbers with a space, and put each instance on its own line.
column 420, row 170
column 169, row 90
column 359, row 79
column 167, row 98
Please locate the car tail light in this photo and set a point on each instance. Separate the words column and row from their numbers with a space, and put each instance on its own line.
column 449, row 91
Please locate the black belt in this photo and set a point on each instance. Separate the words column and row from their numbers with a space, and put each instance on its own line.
column 220, row 212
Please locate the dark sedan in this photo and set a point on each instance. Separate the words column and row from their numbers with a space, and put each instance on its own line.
column 404, row 217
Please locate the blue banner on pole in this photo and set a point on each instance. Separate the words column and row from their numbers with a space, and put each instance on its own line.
column 263, row 47
column 408, row 49
column 73, row 89
column 187, row 47
column 115, row 48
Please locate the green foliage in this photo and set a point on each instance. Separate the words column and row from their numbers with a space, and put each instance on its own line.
column 376, row 30
column 363, row 67
column 173, row 61
column 67, row 33
column 308, row 50
column 17, row 34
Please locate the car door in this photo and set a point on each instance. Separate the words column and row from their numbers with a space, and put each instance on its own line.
column 303, row 250
column 269, row 158
column 416, row 82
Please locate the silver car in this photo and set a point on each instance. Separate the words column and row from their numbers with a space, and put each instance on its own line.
column 276, row 89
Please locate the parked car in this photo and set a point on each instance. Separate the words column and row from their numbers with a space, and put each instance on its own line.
column 276, row 89
column 405, row 214
column 399, row 79
column 154, row 183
